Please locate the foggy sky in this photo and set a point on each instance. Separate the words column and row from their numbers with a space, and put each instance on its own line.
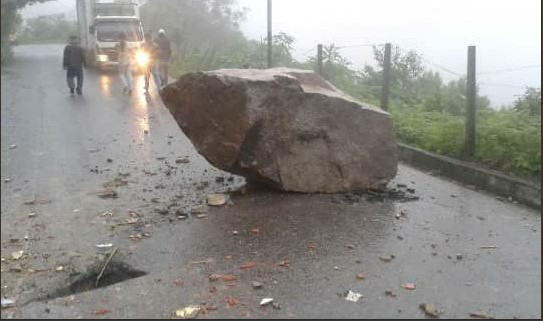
column 507, row 33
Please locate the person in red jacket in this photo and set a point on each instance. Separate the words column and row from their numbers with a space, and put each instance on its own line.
column 73, row 62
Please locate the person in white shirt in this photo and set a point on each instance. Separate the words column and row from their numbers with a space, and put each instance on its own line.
column 125, row 65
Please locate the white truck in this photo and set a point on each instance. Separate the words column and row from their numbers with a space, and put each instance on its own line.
column 101, row 24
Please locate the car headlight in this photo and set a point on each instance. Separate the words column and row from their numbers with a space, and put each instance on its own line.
column 102, row 58
column 142, row 58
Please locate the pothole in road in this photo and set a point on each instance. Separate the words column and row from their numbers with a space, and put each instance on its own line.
column 115, row 272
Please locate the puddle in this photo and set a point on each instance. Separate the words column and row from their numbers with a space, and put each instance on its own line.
column 115, row 272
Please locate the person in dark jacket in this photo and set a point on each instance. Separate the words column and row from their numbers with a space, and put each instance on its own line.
column 164, row 53
column 73, row 62
column 152, row 67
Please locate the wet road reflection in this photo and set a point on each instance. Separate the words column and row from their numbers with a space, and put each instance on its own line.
column 141, row 105
column 105, row 85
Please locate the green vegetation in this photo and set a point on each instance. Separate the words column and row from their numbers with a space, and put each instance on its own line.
column 10, row 21
column 428, row 113
column 506, row 140
column 431, row 115
column 47, row 29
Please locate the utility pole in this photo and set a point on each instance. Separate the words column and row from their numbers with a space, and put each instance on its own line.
column 270, row 40
column 471, row 108
column 319, row 59
column 385, row 91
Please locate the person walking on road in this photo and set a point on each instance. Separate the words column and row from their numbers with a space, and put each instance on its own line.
column 164, row 53
column 125, row 65
column 152, row 66
column 73, row 62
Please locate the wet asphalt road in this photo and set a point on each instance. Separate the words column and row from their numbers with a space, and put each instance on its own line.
column 63, row 144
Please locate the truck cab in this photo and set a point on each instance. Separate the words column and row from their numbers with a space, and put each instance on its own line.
column 101, row 24
column 107, row 32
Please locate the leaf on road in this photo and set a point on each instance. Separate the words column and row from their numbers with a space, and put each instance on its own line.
column 311, row 245
column 101, row 312
column 232, row 301
column 222, row 277
column 214, row 277
column 228, row 278
column 247, row 265
column 360, row 276
column 255, row 230
column 409, row 286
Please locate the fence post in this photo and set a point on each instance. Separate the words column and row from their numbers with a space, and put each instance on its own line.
column 471, row 108
column 385, row 91
column 270, row 40
column 319, row 59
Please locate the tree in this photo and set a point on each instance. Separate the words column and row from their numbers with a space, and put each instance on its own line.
column 48, row 28
column 335, row 68
column 530, row 102
column 203, row 24
column 205, row 35
column 10, row 19
column 405, row 66
column 282, row 49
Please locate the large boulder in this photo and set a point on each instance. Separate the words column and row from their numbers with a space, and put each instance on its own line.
column 288, row 128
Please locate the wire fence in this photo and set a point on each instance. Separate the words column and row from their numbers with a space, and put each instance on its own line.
column 432, row 113
column 431, row 64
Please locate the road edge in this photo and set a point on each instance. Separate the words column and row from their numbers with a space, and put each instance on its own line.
column 492, row 181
